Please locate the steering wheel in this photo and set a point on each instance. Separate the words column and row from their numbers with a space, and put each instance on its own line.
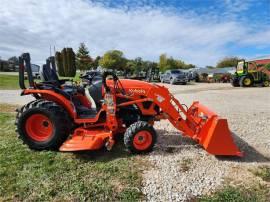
column 88, row 77
column 117, row 83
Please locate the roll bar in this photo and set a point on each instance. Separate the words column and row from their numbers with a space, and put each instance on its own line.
column 50, row 62
column 104, row 77
column 24, row 63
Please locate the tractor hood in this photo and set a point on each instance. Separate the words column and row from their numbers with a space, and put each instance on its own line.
column 134, row 86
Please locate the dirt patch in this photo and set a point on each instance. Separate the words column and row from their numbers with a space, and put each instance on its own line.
column 7, row 108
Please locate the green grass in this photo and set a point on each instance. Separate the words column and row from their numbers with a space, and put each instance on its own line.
column 9, row 82
column 75, row 78
column 256, row 193
column 48, row 175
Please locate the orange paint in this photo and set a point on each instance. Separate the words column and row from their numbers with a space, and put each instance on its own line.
column 142, row 140
column 197, row 122
column 39, row 127
column 83, row 139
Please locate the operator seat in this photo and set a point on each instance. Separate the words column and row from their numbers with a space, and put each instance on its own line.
column 44, row 73
column 95, row 91
column 50, row 77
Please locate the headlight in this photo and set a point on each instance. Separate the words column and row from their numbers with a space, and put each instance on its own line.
column 108, row 98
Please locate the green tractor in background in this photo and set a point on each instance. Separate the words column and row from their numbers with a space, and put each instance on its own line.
column 250, row 74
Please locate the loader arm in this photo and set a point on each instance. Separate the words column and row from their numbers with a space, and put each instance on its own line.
column 196, row 122
column 172, row 110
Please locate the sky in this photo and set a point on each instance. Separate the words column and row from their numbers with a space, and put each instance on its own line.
column 200, row 32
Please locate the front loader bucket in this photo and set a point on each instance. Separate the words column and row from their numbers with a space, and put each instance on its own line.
column 213, row 132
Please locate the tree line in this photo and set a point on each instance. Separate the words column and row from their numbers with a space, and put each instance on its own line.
column 68, row 62
column 115, row 60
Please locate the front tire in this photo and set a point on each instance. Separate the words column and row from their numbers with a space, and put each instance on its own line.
column 266, row 83
column 235, row 82
column 43, row 125
column 140, row 137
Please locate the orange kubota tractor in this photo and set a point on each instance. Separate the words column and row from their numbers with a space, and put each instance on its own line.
column 63, row 117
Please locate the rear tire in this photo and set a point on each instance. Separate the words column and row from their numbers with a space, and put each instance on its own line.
column 43, row 125
column 140, row 137
column 246, row 81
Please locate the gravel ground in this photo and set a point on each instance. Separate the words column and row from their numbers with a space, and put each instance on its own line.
column 182, row 170
column 13, row 97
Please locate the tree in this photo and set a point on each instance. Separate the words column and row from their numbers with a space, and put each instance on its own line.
column 150, row 68
column 12, row 63
column 95, row 63
column 113, row 59
column 83, row 59
column 228, row 62
column 267, row 66
column 162, row 62
column 171, row 63
column 209, row 67
column 190, row 66
column 148, row 65
column 139, row 65
column 14, row 60
column 130, row 67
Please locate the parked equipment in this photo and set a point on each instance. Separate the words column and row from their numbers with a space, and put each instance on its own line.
column 174, row 76
column 62, row 117
column 249, row 74
column 152, row 74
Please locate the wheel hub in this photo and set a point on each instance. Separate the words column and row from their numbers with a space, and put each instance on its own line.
column 142, row 140
column 39, row 127
column 45, row 123
column 247, row 81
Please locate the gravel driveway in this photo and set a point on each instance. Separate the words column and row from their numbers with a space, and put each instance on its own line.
column 13, row 97
column 180, row 170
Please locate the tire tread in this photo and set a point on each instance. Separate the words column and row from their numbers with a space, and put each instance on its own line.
column 132, row 130
column 61, row 118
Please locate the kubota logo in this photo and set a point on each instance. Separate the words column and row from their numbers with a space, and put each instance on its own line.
column 136, row 91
